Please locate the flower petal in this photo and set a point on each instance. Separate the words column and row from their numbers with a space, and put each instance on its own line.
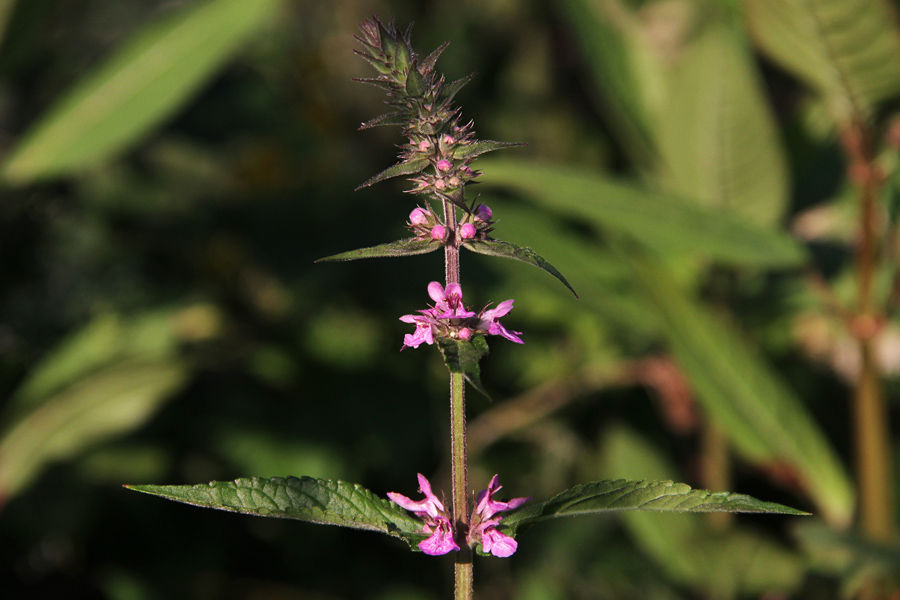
column 498, row 544
column 440, row 542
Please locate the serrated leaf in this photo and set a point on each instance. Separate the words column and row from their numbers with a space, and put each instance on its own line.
column 143, row 83
column 661, row 221
column 431, row 59
column 648, row 495
column 322, row 501
column 741, row 560
column 482, row 147
column 450, row 90
column 463, row 356
column 845, row 49
column 520, row 253
column 764, row 420
column 404, row 247
column 404, row 168
column 109, row 402
column 396, row 118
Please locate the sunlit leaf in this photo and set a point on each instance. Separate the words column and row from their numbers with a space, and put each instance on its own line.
column 764, row 420
column 844, row 49
column 650, row 495
column 113, row 401
column 520, row 253
column 321, row 501
column 693, row 551
column 141, row 85
column 658, row 220
column 404, row 247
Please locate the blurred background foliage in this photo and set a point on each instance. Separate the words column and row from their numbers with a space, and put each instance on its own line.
column 717, row 178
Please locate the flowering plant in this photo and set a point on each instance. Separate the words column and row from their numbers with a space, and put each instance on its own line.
column 436, row 156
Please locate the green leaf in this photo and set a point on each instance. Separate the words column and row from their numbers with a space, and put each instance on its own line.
column 108, row 403
column 844, row 49
column 616, row 495
column 142, row 84
column 322, row 501
column 404, row 168
column 660, row 221
column 394, row 118
column 724, row 564
column 463, row 356
column 449, row 91
column 508, row 250
column 765, row 421
column 404, row 247
column 482, row 147
column 717, row 139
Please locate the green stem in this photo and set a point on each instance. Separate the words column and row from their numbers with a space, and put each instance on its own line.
column 463, row 572
column 459, row 463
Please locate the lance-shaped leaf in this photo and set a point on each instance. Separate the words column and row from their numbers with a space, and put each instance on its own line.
column 141, row 85
column 404, row 168
column 322, row 501
column 394, row 118
column 463, row 357
column 649, row 495
column 612, row 205
column 404, row 247
column 520, row 253
column 482, row 147
column 449, row 91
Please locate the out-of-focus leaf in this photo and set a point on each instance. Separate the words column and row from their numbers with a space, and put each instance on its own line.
column 616, row 495
column 140, row 86
column 520, row 253
column 464, row 356
column 724, row 564
column 627, row 76
column 321, row 501
column 848, row 554
column 845, row 49
column 115, row 400
column 404, row 247
column 765, row 421
column 657, row 220
column 716, row 135
column 107, row 338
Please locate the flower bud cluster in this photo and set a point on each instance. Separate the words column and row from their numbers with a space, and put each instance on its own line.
column 475, row 225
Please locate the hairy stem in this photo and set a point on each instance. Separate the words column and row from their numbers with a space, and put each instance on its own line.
column 463, row 566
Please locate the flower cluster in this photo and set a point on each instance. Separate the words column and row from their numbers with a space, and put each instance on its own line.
column 450, row 318
column 475, row 224
column 482, row 528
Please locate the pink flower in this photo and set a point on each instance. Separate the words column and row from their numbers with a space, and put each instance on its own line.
column 418, row 216
column 436, row 519
column 449, row 318
column 483, row 527
column 424, row 145
column 438, row 232
column 483, row 213
column 467, row 231
column 443, row 165
column 490, row 320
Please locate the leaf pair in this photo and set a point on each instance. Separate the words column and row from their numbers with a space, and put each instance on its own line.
column 331, row 502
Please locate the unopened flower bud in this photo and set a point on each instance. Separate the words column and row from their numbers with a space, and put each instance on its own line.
column 424, row 145
column 448, row 140
column 418, row 217
column 438, row 232
column 440, row 184
column 443, row 165
column 453, row 181
column 483, row 213
column 467, row 231
column 465, row 334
